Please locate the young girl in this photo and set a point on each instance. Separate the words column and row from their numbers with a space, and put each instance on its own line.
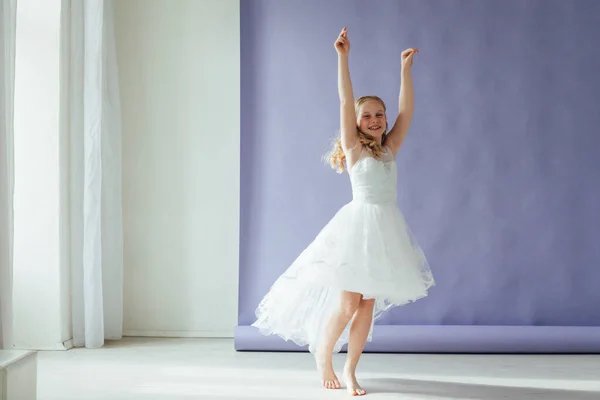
column 365, row 260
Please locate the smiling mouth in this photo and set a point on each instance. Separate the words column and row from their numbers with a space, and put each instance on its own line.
column 375, row 128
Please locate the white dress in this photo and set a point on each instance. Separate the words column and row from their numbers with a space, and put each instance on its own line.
column 367, row 247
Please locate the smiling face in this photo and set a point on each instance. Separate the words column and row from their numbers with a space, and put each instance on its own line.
column 371, row 118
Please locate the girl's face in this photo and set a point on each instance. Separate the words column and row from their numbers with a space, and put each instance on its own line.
column 371, row 118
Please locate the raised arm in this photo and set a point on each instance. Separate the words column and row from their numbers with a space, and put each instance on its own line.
column 406, row 103
column 347, row 114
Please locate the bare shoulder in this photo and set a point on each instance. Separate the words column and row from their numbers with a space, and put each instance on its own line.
column 392, row 145
column 353, row 154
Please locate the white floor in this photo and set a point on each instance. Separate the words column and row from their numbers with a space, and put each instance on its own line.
column 179, row 369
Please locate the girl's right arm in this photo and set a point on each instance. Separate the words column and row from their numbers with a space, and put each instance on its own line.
column 347, row 114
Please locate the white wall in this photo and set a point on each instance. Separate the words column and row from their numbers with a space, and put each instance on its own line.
column 37, row 275
column 180, row 89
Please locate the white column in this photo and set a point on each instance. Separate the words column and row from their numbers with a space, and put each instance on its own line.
column 7, row 69
column 37, row 271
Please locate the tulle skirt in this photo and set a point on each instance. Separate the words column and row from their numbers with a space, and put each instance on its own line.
column 365, row 248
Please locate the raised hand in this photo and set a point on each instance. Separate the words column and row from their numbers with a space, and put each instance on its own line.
column 342, row 44
column 407, row 57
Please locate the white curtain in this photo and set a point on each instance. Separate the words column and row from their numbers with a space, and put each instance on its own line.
column 8, row 10
column 93, row 129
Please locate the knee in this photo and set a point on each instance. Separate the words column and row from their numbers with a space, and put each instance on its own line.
column 366, row 305
column 349, row 308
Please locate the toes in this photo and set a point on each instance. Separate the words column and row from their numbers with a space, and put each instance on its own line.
column 356, row 392
column 331, row 384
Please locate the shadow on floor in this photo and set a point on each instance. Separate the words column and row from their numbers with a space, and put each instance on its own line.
column 470, row 391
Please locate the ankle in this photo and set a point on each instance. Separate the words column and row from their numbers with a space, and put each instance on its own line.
column 350, row 369
column 324, row 358
column 324, row 352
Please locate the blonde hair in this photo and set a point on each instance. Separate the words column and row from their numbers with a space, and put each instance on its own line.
column 336, row 156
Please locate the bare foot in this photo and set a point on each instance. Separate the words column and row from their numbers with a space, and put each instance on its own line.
column 325, row 368
column 352, row 384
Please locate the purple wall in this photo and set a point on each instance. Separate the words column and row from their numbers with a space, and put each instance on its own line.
column 500, row 174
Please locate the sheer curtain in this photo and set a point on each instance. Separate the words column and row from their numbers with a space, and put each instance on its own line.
column 8, row 10
column 92, row 127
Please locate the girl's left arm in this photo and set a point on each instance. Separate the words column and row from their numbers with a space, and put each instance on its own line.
column 406, row 103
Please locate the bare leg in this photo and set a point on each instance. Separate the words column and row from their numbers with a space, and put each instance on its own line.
column 358, row 336
column 338, row 322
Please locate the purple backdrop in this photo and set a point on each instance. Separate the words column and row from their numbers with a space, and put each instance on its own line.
column 499, row 177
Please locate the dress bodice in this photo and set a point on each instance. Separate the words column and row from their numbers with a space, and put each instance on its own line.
column 374, row 180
